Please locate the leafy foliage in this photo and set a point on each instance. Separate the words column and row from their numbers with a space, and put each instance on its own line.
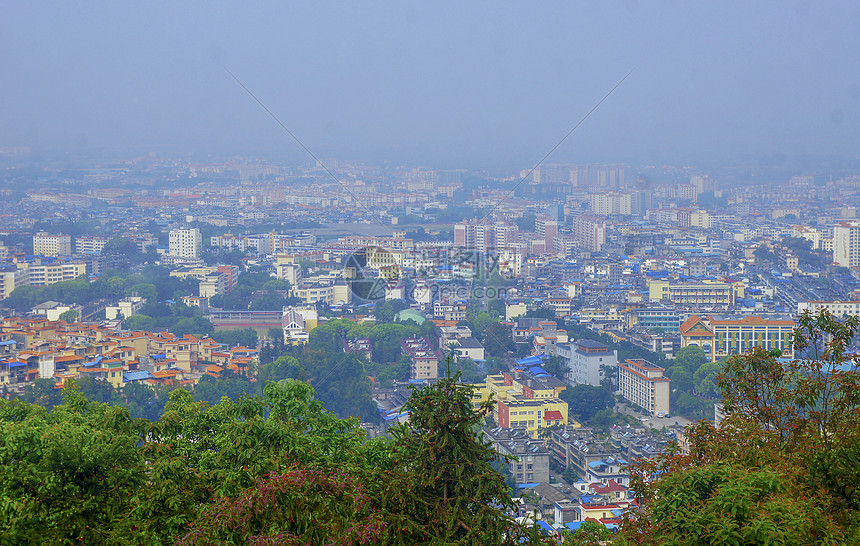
column 450, row 489
column 585, row 401
column 783, row 467
column 300, row 506
column 111, row 284
column 65, row 474
column 277, row 468
column 590, row 533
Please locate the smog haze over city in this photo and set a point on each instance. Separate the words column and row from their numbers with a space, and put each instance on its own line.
column 453, row 85
column 429, row 273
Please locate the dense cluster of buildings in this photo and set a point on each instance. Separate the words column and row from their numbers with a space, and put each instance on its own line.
column 41, row 348
column 666, row 260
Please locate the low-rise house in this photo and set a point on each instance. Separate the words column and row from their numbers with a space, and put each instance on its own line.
column 468, row 348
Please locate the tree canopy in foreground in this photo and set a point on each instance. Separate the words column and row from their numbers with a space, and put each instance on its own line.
column 273, row 469
column 782, row 468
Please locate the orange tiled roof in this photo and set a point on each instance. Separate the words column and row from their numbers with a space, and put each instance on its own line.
column 688, row 324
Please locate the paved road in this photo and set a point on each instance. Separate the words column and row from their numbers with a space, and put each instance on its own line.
column 652, row 421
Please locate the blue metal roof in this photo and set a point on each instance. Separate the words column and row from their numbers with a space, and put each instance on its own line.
column 16, row 363
column 8, row 342
column 530, row 361
column 537, row 370
column 96, row 362
column 545, row 526
column 136, row 376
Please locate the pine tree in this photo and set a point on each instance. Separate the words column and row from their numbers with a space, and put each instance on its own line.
column 450, row 489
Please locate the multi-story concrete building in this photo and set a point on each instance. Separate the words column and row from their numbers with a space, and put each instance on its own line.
column 579, row 448
column 297, row 324
column 425, row 359
column 604, row 204
column 547, row 338
column 124, row 308
column 44, row 274
column 483, row 237
column 655, row 317
column 524, row 400
column 52, row 245
column 530, row 462
column 547, row 229
column 185, row 243
column 589, row 232
column 724, row 336
column 331, row 292
column 694, row 294
column 837, row 308
column 12, row 277
column 666, row 343
column 643, row 384
column 391, row 243
column 362, row 346
column 846, row 243
column 587, row 361
column 90, row 244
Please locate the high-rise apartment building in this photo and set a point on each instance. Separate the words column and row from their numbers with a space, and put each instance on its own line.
column 589, row 232
column 643, row 384
column 185, row 243
column 607, row 203
column 52, row 245
column 546, row 229
column 484, row 237
column 846, row 243
column 598, row 176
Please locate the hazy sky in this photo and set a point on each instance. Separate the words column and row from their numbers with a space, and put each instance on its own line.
column 435, row 83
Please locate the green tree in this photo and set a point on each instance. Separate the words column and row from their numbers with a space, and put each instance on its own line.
column 557, row 366
column 450, row 489
column 690, row 358
column 299, row 506
column 705, row 378
column 782, row 467
column 498, row 339
column 584, row 401
column 120, row 246
column 590, row 533
column 200, row 452
column 527, row 222
column 22, row 298
column 144, row 401
column 682, row 379
column 232, row 338
column 71, row 315
column 147, row 291
column 66, row 475
column 479, row 324
column 384, row 312
column 43, row 393
column 139, row 323
column 570, row 475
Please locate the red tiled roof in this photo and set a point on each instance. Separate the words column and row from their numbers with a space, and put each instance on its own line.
column 553, row 415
